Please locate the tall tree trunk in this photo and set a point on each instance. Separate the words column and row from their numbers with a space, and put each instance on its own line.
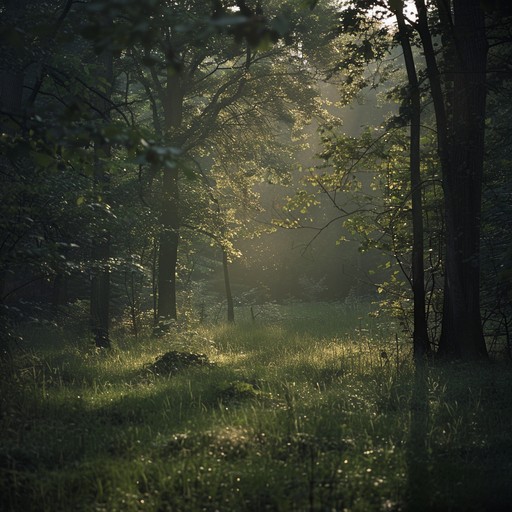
column 168, row 248
column 436, row 86
column 100, row 290
column 11, row 66
column 12, row 79
column 59, row 290
column 169, row 215
column 462, row 333
column 100, row 253
column 154, row 280
column 421, row 344
column 229, row 296
column 437, row 91
column 460, row 116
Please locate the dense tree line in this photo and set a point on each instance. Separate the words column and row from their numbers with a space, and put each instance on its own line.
column 135, row 132
column 164, row 111
column 447, row 84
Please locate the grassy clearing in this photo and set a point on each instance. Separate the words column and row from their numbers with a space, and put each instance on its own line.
column 301, row 410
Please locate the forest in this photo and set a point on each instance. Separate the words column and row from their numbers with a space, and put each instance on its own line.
column 255, row 255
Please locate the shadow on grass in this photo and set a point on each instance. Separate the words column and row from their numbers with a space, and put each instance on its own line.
column 459, row 449
column 418, row 481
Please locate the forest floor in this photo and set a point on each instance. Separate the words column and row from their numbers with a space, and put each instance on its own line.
column 320, row 409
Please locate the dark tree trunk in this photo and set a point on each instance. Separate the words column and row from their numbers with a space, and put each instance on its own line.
column 100, row 291
column 168, row 248
column 11, row 94
column 100, row 279
column 421, row 345
column 100, row 253
column 11, row 67
column 460, row 115
column 154, row 280
column 169, row 215
column 12, row 79
column 11, row 87
column 462, row 333
column 229, row 296
column 59, row 290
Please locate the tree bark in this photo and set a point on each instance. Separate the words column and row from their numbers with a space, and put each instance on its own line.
column 100, row 290
column 100, row 253
column 459, row 104
column 168, row 248
column 229, row 296
column 421, row 344
column 12, row 76
column 462, row 333
column 169, row 215
column 12, row 79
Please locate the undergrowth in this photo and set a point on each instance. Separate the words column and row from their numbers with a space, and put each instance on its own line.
column 305, row 412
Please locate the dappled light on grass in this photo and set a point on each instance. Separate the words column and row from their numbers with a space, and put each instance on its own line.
column 232, row 358
column 282, row 419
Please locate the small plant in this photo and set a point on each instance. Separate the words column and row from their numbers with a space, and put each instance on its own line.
column 239, row 390
column 174, row 362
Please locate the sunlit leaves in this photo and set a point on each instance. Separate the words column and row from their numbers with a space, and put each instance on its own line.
column 302, row 201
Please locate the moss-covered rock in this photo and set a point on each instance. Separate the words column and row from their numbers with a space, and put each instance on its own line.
column 239, row 390
column 174, row 362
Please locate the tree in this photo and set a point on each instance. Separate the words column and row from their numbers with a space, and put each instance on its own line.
column 457, row 85
column 460, row 118
column 206, row 92
column 497, row 189
column 421, row 344
column 100, row 278
column 57, row 146
column 32, row 246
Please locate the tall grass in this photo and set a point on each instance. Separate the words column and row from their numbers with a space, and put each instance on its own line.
column 307, row 408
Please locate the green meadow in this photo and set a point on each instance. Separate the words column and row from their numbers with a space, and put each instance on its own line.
column 307, row 408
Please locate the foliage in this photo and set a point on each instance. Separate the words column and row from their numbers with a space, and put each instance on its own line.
column 366, row 180
column 74, row 121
